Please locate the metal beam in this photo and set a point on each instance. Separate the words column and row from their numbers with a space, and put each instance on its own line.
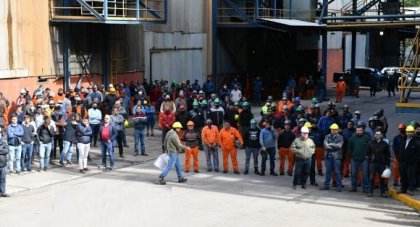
column 91, row 10
column 397, row 16
column 240, row 12
column 66, row 57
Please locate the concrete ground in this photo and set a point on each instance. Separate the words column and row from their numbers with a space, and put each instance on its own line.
column 130, row 196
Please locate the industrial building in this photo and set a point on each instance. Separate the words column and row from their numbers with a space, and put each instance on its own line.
column 113, row 41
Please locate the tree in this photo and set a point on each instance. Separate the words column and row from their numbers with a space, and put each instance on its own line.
column 412, row 3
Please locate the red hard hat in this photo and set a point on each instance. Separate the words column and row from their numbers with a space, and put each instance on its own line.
column 400, row 126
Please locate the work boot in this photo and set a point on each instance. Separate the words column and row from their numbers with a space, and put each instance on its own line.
column 314, row 184
column 273, row 174
column 289, row 173
column 236, row 172
column 209, row 170
column 256, row 171
column 370, row 194
column 225, row 171
column 162, row 181
column 182, row 180
column 246, row 172
column 303, row 186
column 144, row 154
column 384, row 195
column 320, row 173
column 196, row 171
column 187, row 170
column 281, row 173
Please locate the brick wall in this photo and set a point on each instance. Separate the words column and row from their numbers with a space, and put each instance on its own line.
column 334, row 63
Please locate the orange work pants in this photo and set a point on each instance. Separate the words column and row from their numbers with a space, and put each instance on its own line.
column 283, row 152
column 345, row 168
column 396, row 171
column 233, row 154
column 319, row 156
column 340, row 95
column 194, row 152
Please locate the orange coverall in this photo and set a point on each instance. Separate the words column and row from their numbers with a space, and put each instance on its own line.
column 341, row 90
column 227, row 139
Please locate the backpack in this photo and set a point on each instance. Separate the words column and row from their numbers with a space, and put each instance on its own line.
column 3, row 154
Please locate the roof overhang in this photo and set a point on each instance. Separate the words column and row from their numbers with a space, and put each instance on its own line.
column 290, row 25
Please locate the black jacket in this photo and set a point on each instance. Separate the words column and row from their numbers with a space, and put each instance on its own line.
column 409, row 154
column 45, row 134
column 252, row 138
column 3, row 154
column 286, row 138
column 379, row 153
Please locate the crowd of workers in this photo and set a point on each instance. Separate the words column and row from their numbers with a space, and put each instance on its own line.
column 194, row 117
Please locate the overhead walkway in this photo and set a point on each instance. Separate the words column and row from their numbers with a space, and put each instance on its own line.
column 109, row 11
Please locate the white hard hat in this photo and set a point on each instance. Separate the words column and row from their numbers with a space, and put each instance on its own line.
column 304, row 129
column 23, row 91
column 386, row 173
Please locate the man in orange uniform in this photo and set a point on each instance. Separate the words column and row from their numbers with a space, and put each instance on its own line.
column 285, row 139
column 227, row 140
column 191, row 138
column 210, row 136
column 341, row 90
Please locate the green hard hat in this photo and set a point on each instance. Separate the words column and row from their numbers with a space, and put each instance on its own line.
column 314, row 100
column 217, row 100
column 253, row 121
column 236, row 103
column 195, row 103
column 204, row 102
column 245, row 104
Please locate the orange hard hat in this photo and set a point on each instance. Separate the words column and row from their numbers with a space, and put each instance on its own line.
column 400, row 126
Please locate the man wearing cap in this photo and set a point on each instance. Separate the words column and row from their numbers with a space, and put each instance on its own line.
column 191, row 138
column 245, row 117
column 303, row 147
column 357, row 146
column 395, row 145
column 95, row 118
column 379, row 157
column 333, row 144
column 110, row 100
column 166, row 119
column 285, row 139
column 172, row 146
column 408, row 155
column 341, row 90
column 217, row 113
column 210, row 137
column 268, row 139
column 229, row 138
column 197, row 116
column 139, row 121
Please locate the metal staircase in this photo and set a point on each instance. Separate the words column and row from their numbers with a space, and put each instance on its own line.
column 109, row 11
column 362, row 7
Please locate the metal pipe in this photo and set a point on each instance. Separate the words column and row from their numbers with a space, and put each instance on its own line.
column 106, row 9
column 353, row 60
column 214, row 41
column 137, row 9
column 66, row 56
column 372, row 17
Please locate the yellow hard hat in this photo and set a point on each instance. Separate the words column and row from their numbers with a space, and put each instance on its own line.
column 177, row 124
column 112, row 89
column 334, row 127
column 126, row 123
column 236, row 117
column 409, row 128
column 308, row 124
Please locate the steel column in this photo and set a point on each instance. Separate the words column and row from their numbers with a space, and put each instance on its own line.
column 353, row 52
column 214, row 41
column 105, row 59
column 105, row 9
column 66, row 56
column 137, row 9
column 324, row 45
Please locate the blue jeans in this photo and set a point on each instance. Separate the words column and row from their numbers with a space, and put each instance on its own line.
column 107, row 146
column 173, row 161
column 302, row 167
column 15, row 152
column 3, row 174
column 332, row 166
column 374, row 169
column 67, row 149
column 27, row 150
column 254, row 152
column 139, row 141
column 35, row 150
column 269, row 152
column 212, row 151
column 355, row 165
column 44, row 155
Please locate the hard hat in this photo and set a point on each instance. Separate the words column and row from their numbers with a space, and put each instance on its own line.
column 111, row 89
column 236, row 103
column 284, row 98
column 167, row 97
column 201, row 92
column 400, row 126
column 126, row 123
column 409, row 129
column 308, row 125
column 190, row 123
column 334, row 127
column 204, row 102
column 302, row 120
column 373, row 118
column 23, row 91
column 245, row 104
column 346, row 106
column 177, row 124
column 217, row 100
column 331, row 104
column 253, row 121
column 195, row 103
column 51, row 102
column 299, row 109
column 285, row 107
column 287, row 122
column 145, row 102
column 314, row 100
column 297, row 99
column 317, row 105
column 236, row 117
column 356, row 112
column 361, row 124
column 304, row 129
column 386, row 173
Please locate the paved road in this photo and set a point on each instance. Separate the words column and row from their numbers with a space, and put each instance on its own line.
column 131, row 197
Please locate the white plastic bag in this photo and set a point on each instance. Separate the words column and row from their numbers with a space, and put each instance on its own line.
column 162, row 161
column 386, row 173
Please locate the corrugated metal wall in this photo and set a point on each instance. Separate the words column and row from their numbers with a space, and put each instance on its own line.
column 178, row 50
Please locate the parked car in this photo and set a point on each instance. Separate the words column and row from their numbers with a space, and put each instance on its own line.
column 365, row 76
column 410, row 77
